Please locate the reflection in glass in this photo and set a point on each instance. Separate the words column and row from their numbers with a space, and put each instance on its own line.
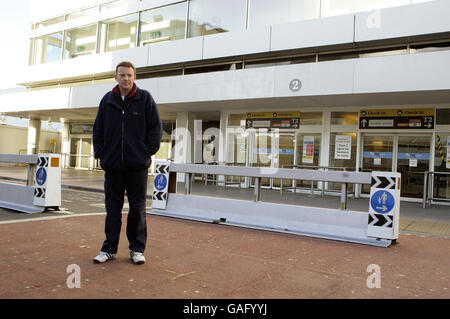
column 308, row 153
column 119, row 33
column 81, row 13
column 215, row 16
column 441, row 182
column 344, row 118
column 338, row 7
column 269, row 12
column 80, row 41
column 377, row 155
column 413, row 160
column 163, row 24
column 48, row 48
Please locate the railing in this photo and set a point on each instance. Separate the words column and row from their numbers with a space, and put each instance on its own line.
column 258, row 173
column 325, row 168
column 29, row 160
column 428, row 189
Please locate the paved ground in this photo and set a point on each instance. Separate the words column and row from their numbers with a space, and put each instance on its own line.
column 193, row 260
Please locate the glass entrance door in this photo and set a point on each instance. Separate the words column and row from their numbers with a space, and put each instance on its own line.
column 406, row 154
column 413, row 160
column 377, row 155
column 262, row 154
column 80, row 152
column 271, row 149
column 284, row 154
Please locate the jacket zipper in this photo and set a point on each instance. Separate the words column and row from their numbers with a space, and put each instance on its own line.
column 123, row 124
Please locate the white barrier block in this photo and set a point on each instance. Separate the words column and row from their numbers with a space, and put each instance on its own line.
column 161, row 185
column 384, row 205
column 47, row 192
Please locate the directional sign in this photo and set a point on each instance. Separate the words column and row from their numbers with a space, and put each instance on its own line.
column 269, row 120
column 160, row 182
column 41, row 176
column 384, row 205
column 396, row 118
column 382, row 202
column 161, row 185
column 380, row 220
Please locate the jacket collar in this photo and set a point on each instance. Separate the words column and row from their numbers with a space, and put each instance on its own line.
column 132, row 93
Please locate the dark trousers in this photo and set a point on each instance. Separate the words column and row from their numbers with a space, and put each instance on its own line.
column 134, row 183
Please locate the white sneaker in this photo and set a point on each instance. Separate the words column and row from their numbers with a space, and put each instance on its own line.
column 138, row 258
column 103, row 256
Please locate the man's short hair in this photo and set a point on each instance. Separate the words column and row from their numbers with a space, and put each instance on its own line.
column 126, row 64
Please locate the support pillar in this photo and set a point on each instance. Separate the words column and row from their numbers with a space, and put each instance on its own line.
column 65, row 145
column 34, row 134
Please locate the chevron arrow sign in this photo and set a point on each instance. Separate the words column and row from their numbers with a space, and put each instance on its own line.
column 385, row 182
column 43, row 161
column 381, row 220
column 159, row 196
column 39, row 192
column 163, row 169
column 161, row 185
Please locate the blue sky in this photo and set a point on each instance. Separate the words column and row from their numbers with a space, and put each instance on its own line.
column 14, row 29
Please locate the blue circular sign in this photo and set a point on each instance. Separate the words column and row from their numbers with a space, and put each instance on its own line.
column 41, row 176
column 382, row 202
column 160, row 182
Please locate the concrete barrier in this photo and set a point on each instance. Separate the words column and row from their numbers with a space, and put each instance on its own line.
column 43, row 188
column 378, row 227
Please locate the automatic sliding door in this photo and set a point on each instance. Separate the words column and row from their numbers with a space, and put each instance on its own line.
column 262, row 154
column 377, row 155
column 284, row 155
column 413, row 160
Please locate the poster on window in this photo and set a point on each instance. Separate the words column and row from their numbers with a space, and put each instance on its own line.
column 308, row 149
column 343, row 147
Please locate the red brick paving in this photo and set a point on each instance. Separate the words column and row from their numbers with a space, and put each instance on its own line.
column 187, row 259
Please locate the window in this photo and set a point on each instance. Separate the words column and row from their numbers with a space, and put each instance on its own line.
column 47, row 23
column 237, row 119
column 443, row 116
column 342, row 154
column 80, row 41
column 116, row 5
column 269, row 12
column 215, row 16
column 344, row 118
column 81, row 13
column 119, row 33
column 283, row 61
column 47, row 48
column 310, row 118
column 163, row 24
column 337, row 7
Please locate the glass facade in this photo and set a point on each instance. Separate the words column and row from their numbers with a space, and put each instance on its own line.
column 338, row 7
column 163, row 24
column 48, row 48
column 269, row 12
column 119, row 33
column 215, row 16
column 190, row 18
column 81, row 13
column 344, row 118
column 80, row 41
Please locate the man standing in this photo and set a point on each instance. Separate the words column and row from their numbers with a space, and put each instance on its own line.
column 127, row 132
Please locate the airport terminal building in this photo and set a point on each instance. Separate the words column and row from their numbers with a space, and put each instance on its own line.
column 329, row 84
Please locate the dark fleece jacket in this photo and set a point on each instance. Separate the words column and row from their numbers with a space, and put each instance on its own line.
column 126, row 133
